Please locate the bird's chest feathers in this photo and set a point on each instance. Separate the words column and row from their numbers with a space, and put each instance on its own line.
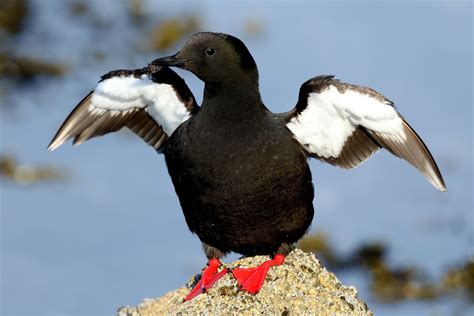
column 230, row 143
column 223, row 149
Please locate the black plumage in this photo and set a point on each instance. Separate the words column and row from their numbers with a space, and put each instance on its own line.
column 244, row 184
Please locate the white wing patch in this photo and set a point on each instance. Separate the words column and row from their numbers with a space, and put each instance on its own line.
column 167, row 110
column 125, row 93
column 150, row 103
column 331, row 117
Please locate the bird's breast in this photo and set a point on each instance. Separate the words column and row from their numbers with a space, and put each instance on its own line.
column 241, row 189
column 238, row 162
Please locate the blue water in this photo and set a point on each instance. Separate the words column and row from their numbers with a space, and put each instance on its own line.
column 115, row 234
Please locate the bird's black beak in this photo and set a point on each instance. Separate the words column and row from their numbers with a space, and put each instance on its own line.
column 170, row 61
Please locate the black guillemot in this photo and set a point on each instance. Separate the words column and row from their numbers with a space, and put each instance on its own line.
column 240, row 171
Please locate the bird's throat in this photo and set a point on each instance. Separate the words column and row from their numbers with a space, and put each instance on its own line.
column 234, row 99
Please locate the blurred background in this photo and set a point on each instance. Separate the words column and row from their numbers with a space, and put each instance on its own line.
column 85, row 230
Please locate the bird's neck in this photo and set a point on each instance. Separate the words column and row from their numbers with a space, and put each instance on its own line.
column 235, row 98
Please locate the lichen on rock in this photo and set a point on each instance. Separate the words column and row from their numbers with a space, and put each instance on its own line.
column 301, row 286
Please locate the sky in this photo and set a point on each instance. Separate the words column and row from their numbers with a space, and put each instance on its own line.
column 114, row 233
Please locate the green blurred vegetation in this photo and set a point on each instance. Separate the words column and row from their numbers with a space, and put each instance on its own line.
column 15, row 172
column 13, row 18
column 389, row 284
column 12, row 15
column 27, row 68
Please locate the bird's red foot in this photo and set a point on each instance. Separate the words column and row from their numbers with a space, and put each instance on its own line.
column 209, row 276
column 252, row 279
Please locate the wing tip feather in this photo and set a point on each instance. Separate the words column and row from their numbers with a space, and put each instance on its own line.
column 439, row 184
column 55, row 144
column 432, row 173
column 51, row 147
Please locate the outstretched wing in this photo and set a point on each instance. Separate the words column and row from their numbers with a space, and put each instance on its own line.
column 151, row 101
column 344, row 124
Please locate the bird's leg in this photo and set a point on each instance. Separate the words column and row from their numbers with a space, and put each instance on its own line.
column 209, row 274
column 252, row 279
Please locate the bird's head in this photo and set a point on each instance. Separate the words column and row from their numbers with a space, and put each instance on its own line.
column 213, row 57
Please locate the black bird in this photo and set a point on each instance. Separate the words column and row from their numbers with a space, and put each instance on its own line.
column 239, row 170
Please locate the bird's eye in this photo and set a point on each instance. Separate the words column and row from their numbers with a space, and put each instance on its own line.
column 210, row 51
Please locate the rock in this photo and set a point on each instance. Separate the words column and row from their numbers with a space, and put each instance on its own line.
column 300, row 286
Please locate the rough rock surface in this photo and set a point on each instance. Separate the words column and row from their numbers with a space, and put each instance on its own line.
column 300, row 286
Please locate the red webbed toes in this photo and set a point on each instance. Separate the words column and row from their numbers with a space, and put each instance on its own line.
column 209, row 276
column 242, row 274
column 252, row 279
